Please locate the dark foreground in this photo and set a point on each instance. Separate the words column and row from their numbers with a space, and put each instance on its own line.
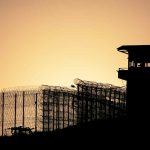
column 113, row 133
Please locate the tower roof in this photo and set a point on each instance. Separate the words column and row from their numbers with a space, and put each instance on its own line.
column 134, row 48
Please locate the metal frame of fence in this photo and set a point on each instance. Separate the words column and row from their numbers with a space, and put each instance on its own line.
column 47, row 108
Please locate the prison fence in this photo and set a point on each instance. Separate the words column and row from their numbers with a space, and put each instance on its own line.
column 47, row 108
column 99, row 101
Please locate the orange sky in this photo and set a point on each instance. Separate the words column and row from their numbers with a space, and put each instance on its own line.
column 54, row 41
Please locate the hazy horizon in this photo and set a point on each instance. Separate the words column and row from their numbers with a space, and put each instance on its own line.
column 53, row 42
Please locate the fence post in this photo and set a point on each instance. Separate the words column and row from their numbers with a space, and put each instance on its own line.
column 73, row 106
column 110, row 105
column 48, row 98
column 15, row 121
column 36, row 112
column 68, row 101
column 43, row 110
column 63, row 110
column 96, row 103
column 114, row 107
column 3, row 113
column 23, row 110
column 78, row 96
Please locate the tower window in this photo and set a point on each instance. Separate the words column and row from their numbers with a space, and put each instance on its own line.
column 131, row 64
column 147, row 64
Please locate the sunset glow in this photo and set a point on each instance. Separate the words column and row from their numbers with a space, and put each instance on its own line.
column 54, row 41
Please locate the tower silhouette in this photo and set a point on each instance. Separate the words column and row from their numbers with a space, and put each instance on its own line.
column 138, row 81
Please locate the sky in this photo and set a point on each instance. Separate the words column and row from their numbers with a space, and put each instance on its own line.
column 53, row 42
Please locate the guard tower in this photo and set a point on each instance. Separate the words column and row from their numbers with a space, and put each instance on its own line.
column 138, row 81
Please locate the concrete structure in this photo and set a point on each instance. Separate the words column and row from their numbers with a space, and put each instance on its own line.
column 138, row 81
